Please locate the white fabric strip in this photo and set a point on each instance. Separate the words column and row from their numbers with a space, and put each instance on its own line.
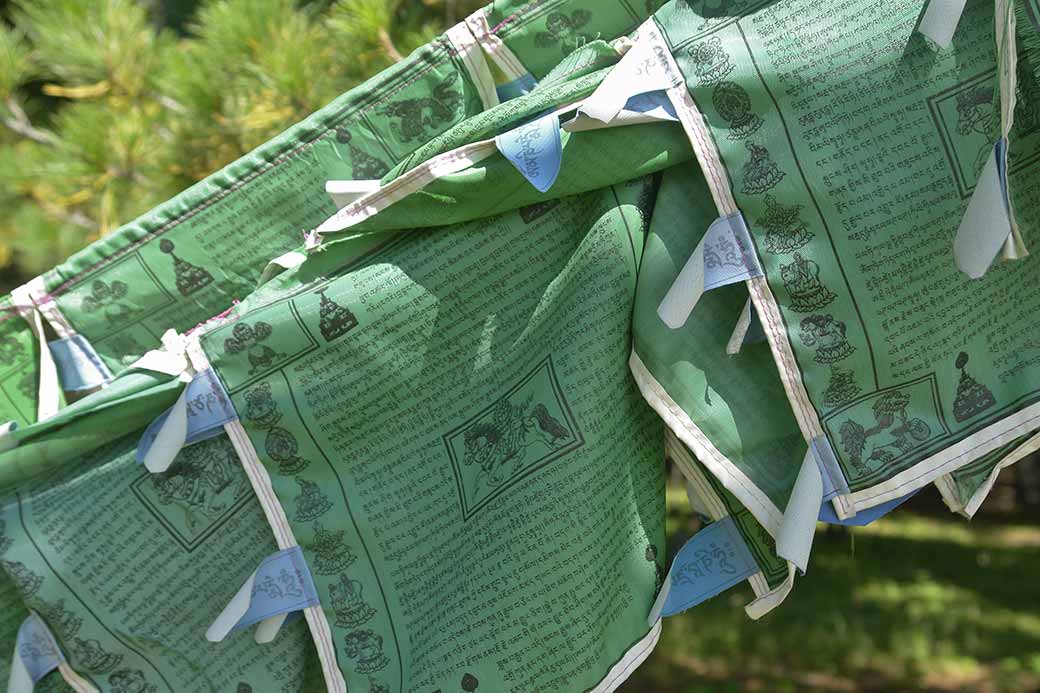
column 940, row 20
column 416, row 179
column 321, row 633
column 794, row 543
column 472, row 56
column 740, row 330
column 504, row 58
column 345, row 192
column 49, row 308
column 1007, row 71
column 49, row 390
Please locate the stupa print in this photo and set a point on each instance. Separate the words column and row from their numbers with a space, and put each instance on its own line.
column 972, row 396
column 334, row 320
column 760, row 173
column 363, row 166
column 188, row 277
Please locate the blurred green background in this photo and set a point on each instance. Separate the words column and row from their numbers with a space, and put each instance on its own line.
column 108, row 107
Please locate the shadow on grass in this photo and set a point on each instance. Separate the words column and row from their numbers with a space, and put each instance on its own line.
column 909, row 603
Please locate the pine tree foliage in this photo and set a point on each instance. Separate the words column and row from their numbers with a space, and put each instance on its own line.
column 105, row 112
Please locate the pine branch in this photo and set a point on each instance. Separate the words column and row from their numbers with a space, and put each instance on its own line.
column 20, row 124
column 388, row 45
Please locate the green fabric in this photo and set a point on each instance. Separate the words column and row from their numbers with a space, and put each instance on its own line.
column 19, row 359
column 121, row 563
column 487, row 384
column 902, row 355
column 449, row 399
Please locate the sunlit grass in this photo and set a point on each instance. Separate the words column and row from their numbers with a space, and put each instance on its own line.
column 912, row 602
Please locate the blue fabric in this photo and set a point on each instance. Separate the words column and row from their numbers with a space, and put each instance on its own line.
column 79, row 366
column 209, row 408
column 37, row 649
column 282, row 584
column 518, row 87
column 712, row 561
column 650, row 101
column 535, row 149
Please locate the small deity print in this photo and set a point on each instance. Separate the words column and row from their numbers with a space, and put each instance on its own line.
column 366, row 648
column 26, row 580
column 972, row 396
column 842, row 387
column 261, row 410
column 335, row 320
column 250, row 338
column 469, row 682
column 90, row 656
column 282, row 447
column 710, row 61
column 311, row 503
column 785, row 230
column 5, row 541
column 348, row 603
column 827, row 335
column 377, row 686
column 109, row 300
column 187, row 277
column 279, row 443
column 420, row 117
column 363, row 166
column 895, row 431
column 733, row 104
column 244, row 687
column 62, row 621
column 802, row 281
column 760, row 172
column 130, row 681
column 332, row 555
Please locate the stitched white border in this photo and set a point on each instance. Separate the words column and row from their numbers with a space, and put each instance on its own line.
column 728, row 474
column 628, row 663
column 279, row 522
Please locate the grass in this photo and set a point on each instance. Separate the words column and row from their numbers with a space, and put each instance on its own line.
column 919, row 600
